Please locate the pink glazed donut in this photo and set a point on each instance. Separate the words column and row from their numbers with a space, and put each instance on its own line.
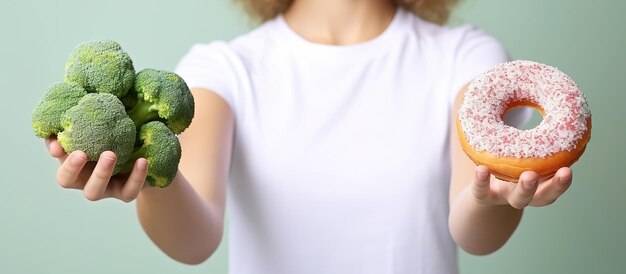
column 558, row 141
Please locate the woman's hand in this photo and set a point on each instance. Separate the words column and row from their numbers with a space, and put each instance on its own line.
column 529, row 191
column 94, row 178
column 485, row 211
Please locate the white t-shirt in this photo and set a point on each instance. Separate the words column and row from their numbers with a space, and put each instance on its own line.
column 341, row 159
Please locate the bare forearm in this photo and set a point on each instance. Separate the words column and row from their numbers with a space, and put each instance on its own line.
column 481, row 229
column 180, row 222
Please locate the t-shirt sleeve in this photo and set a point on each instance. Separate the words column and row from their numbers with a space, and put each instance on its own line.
column 476, row 53
column 209, row 66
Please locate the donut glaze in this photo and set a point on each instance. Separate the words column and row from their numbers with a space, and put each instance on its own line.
column 558, row 141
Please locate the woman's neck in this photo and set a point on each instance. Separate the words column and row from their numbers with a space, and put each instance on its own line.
column 339, row 22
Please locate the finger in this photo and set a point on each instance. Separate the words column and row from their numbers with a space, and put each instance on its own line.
column 524, row 190
column 135, row 181
column 99, row 179
column 48, row 140
column 553, row 189
column 70, row 169
column 480, row 185
column 55, row 149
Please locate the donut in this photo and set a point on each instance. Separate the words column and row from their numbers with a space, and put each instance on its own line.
column 559, row 139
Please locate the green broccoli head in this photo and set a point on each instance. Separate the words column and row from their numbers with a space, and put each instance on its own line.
column 59, row 97
column 101, row 66
column 161, row 96
column 96, row 124
column 161, row 148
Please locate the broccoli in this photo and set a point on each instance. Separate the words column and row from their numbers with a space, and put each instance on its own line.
column 160, row 96
column 96, row 124
column 104, row 106
column 101, row 66
column 59, row 97
column 161, row 148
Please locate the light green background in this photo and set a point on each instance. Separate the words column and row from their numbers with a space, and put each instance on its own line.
column 46, row 229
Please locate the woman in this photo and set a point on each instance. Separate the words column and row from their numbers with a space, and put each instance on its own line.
column 335, row 118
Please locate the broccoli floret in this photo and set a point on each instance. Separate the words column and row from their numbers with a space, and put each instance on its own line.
column 59, row 97
column 101, row 66
column 161, row 96
column 161, row 148
column 96, row 124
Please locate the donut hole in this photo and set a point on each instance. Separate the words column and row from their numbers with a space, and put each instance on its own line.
column 523, row 117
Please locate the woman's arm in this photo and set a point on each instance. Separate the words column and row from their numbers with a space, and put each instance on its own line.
column 186, row 219
column 485, row 211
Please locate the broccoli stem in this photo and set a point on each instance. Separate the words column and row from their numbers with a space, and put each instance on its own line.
column 138, row 153
column 141, row 113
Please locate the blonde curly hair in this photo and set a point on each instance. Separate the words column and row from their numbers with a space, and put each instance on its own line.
column 436, row 11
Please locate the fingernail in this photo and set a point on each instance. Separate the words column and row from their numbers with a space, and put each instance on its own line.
column 107, row 159
column 482, row 175
column 530, row 185
column 141, row 165
column 76, row 159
